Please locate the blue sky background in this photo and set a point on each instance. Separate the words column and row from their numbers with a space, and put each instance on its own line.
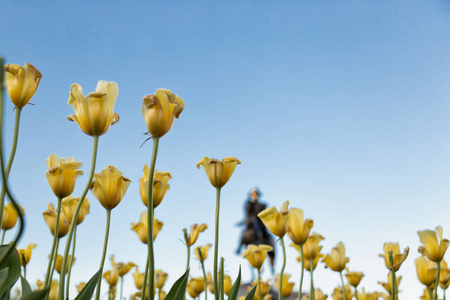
column 340, row 107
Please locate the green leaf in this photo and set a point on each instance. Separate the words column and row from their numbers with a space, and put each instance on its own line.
column 26, row 288
column 12, row 262
column 178, row 290
column 251, row 294
column 87, row 292
column 3, row 275
column 36, row 295
column 234, row 290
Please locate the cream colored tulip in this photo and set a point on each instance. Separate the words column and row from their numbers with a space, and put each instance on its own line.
column 433, row 247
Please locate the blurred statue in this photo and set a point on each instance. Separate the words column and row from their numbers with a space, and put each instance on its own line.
column 255, row 232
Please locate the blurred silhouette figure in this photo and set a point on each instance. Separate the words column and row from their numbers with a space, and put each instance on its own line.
column 255, row 232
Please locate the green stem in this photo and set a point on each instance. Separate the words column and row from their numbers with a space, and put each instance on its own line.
column 394, row 285
column 105, row 246
column 216, row 244
column 444, row 293
column 25, row 272
column 159, row 294
column 55, row 240
column 188, row 256
column 312, row 295
column 436, row 283
column 280, row 286
column 109, row 293
column 303, row 270
column 206, row 280
column 356, row 293
column 343, row 286
column 430, row 293
column 71, row 263
column 144, row 286
column 222, row 282
column 259, row 285
column 11, row 158
column 150, row 271
column 55, row 254
column 121, row 288
column 3, row 236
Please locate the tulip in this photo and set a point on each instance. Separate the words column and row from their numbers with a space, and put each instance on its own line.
column 62, row 174
column 388, row 285
column 162, row 295
column 10, row 217
column 444, row 277
column 318, row 295
column 94, row 113
column 21, row 83
column 40, row 284
column 263, row 287
column 426, row 271
column 287, row 286
column 112, row 276
column 227, row 283
column 307, row 263
column 59, row 260
column 256, row 255
column 159, row 111
column 275, row 221
column 219, row 172
column 311, row 247
column 109, row 187
column 50, row 219
column 141, row 228
column 53, row 294
column 80, row 286
column 195, row 287
column 194, row 232
column 298, row 228
column 433, row 248
column 25, row 254
column 202, row 252
column 122, row 268
column 338, row 293
column 399, row 258
column 69, row 205
column 138, row 279
column 354, row 278
column 160, row 186
column 336, row 261
column 160, row 279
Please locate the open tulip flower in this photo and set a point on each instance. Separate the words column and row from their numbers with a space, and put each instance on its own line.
column 307, row 262
column 426, row 271
column 287, row 286
column 160, row 279
column 298, row 228
column 21, row 83
column 142, row 226
column 275, row 221
column 399, row 258
column 62, row 174
column 219, row 172
column 256, row 255
column 202, row 252
column 433, row 247
column 336, row 261
column 160, row 186
column 10, row 216
column 25, row 254
column 122, row 268
column 59, row 260
column 109, row 187
column 69, row 205
column 112, row 276
column 388, row 285
column 194, row 232
column 50, row 219
column 94, row 113
column 195, row 287
column 354, row 278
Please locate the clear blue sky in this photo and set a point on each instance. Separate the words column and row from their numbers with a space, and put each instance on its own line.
column 340, row 107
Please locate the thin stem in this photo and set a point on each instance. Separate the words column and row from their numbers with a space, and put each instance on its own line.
column 259, row 284
column 394, row 285
column 436, row 283
column 11, row 158
column 216, row 244
column 356, row 293
column 312, row 295
column 109, row 293
column 105, row 246
column 444, row 294
column 159, row 294
column 343, row 287
column 303, row 270
column 3, row 236
column 71, row 262
column 188, row 256
column 121, row 288
column 25, row 272
column 55, row 254
column 144, row 286
column 55, row 240
column 280, row 287
column 205, row 279
column 150, row 271
column 222, row 282
column 430, row 293
column 73, row 224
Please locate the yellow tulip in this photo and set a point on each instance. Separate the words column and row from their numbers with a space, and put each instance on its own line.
column 109, row 187
column 138, row 279
column 25, row 254
column 10, row 216
column 256, row 255
column 426, row 270
column 202, row 252
column 338, row 293
column 159, row 111
column 80, row 286
column 287, row 286
column 336, row 261
column 50, row 219
column 195, row 286
column 160, row 279
column 275, row 221
column 433, row 248
column 265, row 289
column 388, row 285
column 62, row 174
column 218, row 172
column 59, row 260
column 162, row 295
column 210, row 283
column 112, row 276
column 40, row 284
column 69, row 205
column 112, row 293
column 94, row 113
column 367, row 296
column 318, row 295
column 399, row 258
column 141, row 228
column 298, row 228
column 307, row 264
column 21, row 83
column 54, row 289
column 311, row 247
column 160, row 186
column 228, row 283
column 444, row 275
column 354, row 278
column 122, row 268
column 194, row 232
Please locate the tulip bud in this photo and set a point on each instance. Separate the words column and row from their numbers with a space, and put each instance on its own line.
column 21, row 83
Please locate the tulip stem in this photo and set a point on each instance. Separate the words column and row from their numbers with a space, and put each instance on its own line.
column 72, row 258
column 25, row 272
column 144, row 286
column 53, row 253
column 343, row 287
column 121, row 288
column 430, row 293
column 222, row 282
column 312, row 295
column 356, row 293
column 159, row 294
column 188, row 256
column 11, row 158
column 73, row 224
column 259, row 285
column 280, row 287
column 105, row 246
column 205, row 279
column 3, row 236
column 436, row 283
column 394, row 281
column 216, row 244
column 150, row 271
column 303, row 270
